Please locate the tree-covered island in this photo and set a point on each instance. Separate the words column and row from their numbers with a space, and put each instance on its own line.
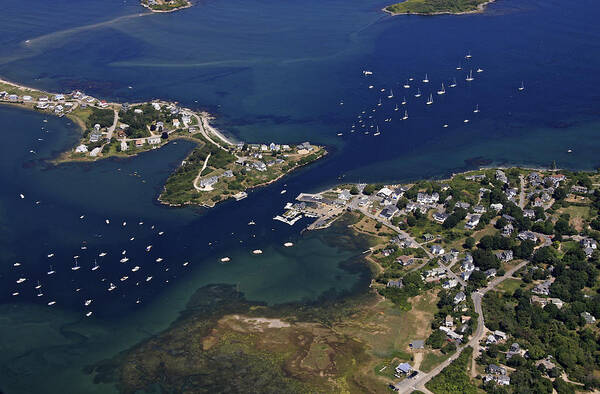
column 437, row 7
column 215, row 170
column 165, row 5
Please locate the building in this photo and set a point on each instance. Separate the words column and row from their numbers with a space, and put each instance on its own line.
column 417, row 344
column 405, row 260
column 395, row 283
column 527, row 236
column 505, row 255
column 154, row 140
column 440, row 217
column 450, row 284
column 425, row 198
column 388, row 212
column 589, row 319
column 404, row 369
column 95, row 152
column 472, row 222
column 495, row 370
column 449, row 321
column 124, row 146
column 490, row 273
column 384, row 192
column 501, row 176
column 81, row 149
column 437, row 250
column 459, row 297
column 497, row 206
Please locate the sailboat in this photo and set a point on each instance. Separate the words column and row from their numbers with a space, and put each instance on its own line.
column 76, row 266
column 468, row 56
column 396, row 108
column 459, row 67
column 426, row 80
column 443, row 91
column 522, row 87
column 51, row 272
column 407, row 85
column 379, row 103
column 377, row 132
column 391, row 95
column 111, row 287
column 470, row 76
column 418, row 94
column 476, row 110
column 430, row 100
column 405, row 115
column 453, row 84
column 403, row 100
column 38, row 286
column 96, row 266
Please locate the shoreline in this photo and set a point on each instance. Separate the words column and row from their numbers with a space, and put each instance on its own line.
column 480, row 9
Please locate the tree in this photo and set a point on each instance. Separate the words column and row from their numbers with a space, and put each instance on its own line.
column 484, row 259
column 559, row 194
column 354, row 190
column 469, row 243
column 436, row 340
column 546, row 255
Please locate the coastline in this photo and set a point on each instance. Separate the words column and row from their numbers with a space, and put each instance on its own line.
column 479, row 10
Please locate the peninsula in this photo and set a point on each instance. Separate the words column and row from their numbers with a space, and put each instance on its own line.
column 165, row 5
column 437, row 7
column 217, row 169
column 487, row 281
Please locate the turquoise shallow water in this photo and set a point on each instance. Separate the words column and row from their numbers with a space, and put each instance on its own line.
column 269, row 70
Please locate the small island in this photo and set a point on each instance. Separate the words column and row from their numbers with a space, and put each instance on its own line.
column 165, row 5
column 216, row 170
column 437, row 7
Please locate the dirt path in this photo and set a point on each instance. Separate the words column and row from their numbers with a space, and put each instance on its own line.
column 200, row 173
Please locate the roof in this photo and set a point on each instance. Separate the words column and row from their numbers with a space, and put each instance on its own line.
column 404, row 367
column 417, row 344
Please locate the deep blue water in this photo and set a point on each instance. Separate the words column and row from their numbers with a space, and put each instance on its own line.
column 269, row 70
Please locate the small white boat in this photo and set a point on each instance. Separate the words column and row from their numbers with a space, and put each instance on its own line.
column 479, row 70
column 430, row 100
column 186, row 263
column 52, row 303
column 148, row 248
column 459, row 67
column 225, row 260
column 396, row 108
column 476, row 110
column 285, row 191
column 124, row 224
column 442, row 90
column 470, row 76
column 148, row 279
column 367, row 72
column 135, row 269
column 51, row 255
column 468, row 56
column 38, row 286
column 445, row 125
column 426, row 80
column 405, row 115
column 522, row 87
column 403, row 101
column 391, row 95
column 453, row 84
column 466, row 121
column 88, row 314
column 102, row 254
column 379, row 103
column 132, row 238
column 340, row 134
column 22, row 196
column 377, row 132
column 158, row 260
column 382, row 90
column 140, row 223
column 257, row 251
column 51, row 272
column 107, row 221
column 87, row 302
column 17, row 264
column 288, row 244
column 21, row 280
column 76, row 266
column 124, row 252
column 138, row 301
column 40, row 294
column 124, row 278
column 124, row 259
column 16, row 293
column 406, row 85
column 370, row 86
column 251, row 223
column 161, row 232
column 82, row 216
column 111, row 287
column 418, row 94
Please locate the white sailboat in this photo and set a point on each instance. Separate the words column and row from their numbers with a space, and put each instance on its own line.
column 418, row 94
column 396, row 108
column 405, row 115
column 442, row 91
column 470, row 76
column 459, row 67
column 453, row 84
column 111, row 287
column 96, row 266
column 426, row 80
column 430, row 100
column 377, row 132
column 403, row 100
column 480, row 70
column 51, row 272
column 476, row 110
column 38, row 286
column 391, row 95
column 379, row 103
column 522, row 87
column 468, row 56
column 406, row 85
column 76, row 266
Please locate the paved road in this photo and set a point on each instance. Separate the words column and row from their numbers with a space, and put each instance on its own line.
column 522, row 194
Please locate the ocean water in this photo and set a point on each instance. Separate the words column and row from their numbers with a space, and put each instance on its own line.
column 270, row 71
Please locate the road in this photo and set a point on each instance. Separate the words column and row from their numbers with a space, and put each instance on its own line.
column 418, row 383
column 522, row 194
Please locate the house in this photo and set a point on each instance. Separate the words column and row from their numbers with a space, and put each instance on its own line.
column 475, row 177
column 451, row 334
column 529, row 213
column 589, row 243
column 428, row 237
column 103, row 104
column 495, row 370
column 501, row 176
column 59, row 97
column 208, row 182
column 501, row 380
column 139, row 143
column 505, row 256
column 542, row 288
column 479, row 209
column 450, row 284
column 496, row 206
column 95, row 152
column 403, row 368
column 395, row 283
column 527, row 236
column 490, row 273
column 449, row 322
column 500, row 335
column 176, row 123
column 345, row 195
column 579, row 189
column 153, row 140
column 542, row 302
column 589, row 319
column 384, row 192
column 399, row 192
column 515, row 349
column 440, row 217
column 81, row 149
column 464, row 319
column 507, row 230
column 27, row 98
column 388, row 212
column 459, row 297
column 491, row 339
column 124, row 146
column 468, row 266
column 437, row 250
column 462, row 204
column 417, row 344
column 538, row 202
column 472, row 222
column 425, row 198
column 260, row 166
column 228, row 174
column 405, row 260
column 156, row 106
